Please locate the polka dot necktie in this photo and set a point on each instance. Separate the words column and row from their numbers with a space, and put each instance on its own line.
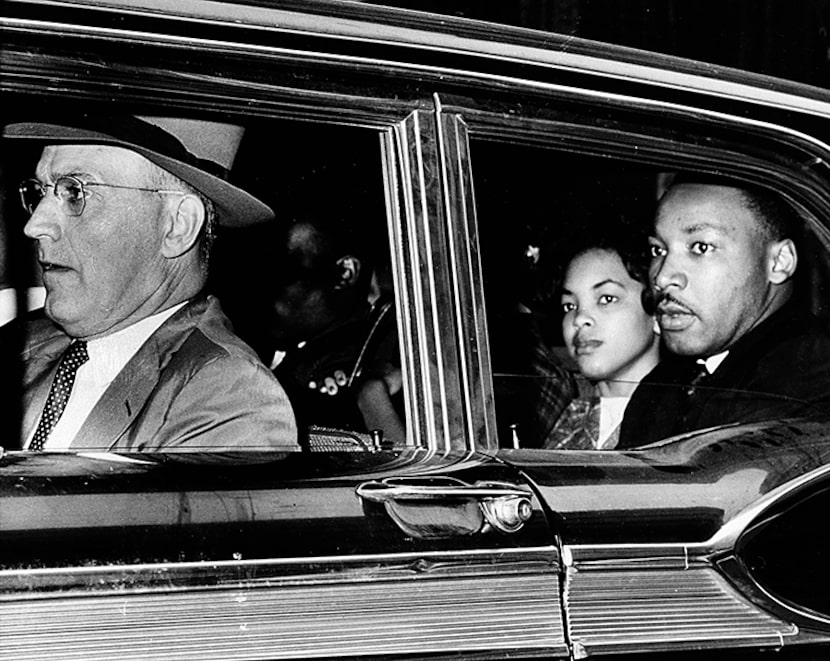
column 75, row 356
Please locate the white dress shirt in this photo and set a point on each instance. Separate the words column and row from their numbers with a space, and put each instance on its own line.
column 107, row 357
column 713, row 362
column 611, row 411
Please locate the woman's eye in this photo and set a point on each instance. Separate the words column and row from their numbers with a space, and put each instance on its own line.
column 568, row 307
column 701, row 248
column 607, row 299
column 656, row 251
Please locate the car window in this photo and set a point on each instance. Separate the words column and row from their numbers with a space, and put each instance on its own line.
column 548, row 223
column 310, row 292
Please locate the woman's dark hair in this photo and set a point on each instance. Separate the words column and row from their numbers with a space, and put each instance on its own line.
column 630, row 243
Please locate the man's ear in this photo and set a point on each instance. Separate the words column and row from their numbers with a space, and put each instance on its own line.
column 348, row 272
column 184, row 223
column 783, row 261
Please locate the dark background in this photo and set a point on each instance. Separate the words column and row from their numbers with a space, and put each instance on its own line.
column 784, row 38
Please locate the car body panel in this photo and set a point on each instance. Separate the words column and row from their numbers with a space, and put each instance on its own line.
column 264, row 559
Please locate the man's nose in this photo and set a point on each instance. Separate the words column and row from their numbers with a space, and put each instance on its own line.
column 666, row 272
column 45, row 221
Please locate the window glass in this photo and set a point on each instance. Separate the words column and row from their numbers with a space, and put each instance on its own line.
column 601, row 323
column 309, row 292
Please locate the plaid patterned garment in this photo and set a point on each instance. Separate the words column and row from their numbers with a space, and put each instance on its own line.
column 578, row 427
column 555, row 388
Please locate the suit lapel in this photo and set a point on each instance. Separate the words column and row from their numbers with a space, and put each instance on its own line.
column 121, row 402
column 126, row 396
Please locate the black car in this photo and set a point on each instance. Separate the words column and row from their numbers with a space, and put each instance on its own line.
column 463, row 150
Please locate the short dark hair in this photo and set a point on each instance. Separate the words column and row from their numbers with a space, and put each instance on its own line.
column 779, row 218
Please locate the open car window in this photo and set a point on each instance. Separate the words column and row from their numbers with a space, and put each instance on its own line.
column 310, row 292
column 559, row 312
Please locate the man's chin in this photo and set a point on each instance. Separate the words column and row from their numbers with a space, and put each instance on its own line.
column 684, row 343
column 67, row 320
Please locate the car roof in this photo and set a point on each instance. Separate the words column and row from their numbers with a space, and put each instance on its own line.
column 480, row 40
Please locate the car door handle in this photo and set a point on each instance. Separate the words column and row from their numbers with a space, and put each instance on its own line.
column 444, row 507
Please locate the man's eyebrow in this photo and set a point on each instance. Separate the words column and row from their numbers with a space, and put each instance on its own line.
column 54, row 175
column 700, row 227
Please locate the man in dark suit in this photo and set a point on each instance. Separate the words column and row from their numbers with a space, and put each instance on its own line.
column 724, row 257
column 132, row 355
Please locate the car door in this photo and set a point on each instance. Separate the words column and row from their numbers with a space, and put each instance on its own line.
column 362, row 544
column 655, row 540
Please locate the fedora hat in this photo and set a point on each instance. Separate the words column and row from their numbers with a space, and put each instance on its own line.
column 198, row 152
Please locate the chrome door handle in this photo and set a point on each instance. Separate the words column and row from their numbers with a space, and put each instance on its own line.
column 442, row 507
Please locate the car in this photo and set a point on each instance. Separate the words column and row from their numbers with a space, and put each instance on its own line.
column 464, row 147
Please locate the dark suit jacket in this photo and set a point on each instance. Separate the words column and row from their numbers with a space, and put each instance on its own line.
column 192, row 386
column 781, row 368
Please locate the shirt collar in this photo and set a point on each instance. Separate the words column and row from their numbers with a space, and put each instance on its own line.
column 108, row 354
column 713, row 362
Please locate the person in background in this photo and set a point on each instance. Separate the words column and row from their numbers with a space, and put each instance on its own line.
column 332, row 325
column 131, row 355
column 611, row 334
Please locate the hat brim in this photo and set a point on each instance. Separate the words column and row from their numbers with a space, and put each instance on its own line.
column 234, row 206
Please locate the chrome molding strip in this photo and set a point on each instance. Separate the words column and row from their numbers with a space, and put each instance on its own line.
column 342, row 28
column 31, row 582
column 421, row 615
column 417, row 153
column 460, row 213
column 660, row 609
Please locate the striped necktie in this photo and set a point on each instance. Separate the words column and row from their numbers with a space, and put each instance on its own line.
column 75, row 356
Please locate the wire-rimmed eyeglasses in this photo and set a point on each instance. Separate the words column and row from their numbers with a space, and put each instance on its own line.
column 71, row 192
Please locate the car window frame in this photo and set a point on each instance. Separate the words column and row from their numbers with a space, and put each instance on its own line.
column 794, row 163
column 409, row 154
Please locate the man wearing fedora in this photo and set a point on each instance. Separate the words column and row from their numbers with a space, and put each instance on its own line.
column 132, row 355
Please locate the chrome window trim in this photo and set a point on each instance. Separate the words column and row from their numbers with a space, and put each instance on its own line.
column 429, row 316
column 668, row 77
column 465, row 271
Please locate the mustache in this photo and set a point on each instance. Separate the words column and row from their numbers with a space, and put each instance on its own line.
column 667, row 302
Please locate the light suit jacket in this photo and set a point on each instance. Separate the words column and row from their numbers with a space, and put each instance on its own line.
column 192, row 386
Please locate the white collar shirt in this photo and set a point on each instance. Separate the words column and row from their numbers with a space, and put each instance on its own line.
column 713, row 362
column 107, row 357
